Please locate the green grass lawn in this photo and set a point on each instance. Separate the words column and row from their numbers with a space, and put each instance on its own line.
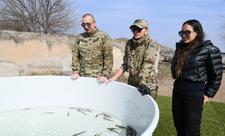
column 213, row 119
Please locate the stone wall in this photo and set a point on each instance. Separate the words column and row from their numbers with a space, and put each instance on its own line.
column 38, row 54
column 31, row 54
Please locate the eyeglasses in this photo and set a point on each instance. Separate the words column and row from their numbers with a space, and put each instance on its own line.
column 86, row 24
column 186, row 33
column 136, row 29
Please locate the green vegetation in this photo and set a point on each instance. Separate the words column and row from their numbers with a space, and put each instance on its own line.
column 213, row 120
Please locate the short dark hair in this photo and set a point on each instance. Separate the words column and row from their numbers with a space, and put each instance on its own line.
column 89, row 14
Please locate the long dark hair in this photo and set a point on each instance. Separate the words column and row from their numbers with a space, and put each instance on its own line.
column 183, row 52
column 197, row 27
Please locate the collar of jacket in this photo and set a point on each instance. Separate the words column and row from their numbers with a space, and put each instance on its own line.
column 205, row 43
column 92, row 33
column 140, row 41
column 181, row 45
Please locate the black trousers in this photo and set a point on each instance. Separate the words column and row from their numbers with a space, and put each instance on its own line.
column 187, row 113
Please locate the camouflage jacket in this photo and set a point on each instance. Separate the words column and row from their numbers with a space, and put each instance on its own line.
column 92, row 54
column 141, row 61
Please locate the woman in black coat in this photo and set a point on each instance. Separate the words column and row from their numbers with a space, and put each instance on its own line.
column 197, row 70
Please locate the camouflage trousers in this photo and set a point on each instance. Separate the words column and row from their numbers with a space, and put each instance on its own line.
column 154, row 92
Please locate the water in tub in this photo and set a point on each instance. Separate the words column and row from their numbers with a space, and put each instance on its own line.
column 61, row 121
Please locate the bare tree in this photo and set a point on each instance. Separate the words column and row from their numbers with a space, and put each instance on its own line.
column 47, row 16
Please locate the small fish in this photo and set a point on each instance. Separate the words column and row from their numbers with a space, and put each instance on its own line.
column 68, row 114
column 113, row 130
column 121, row 127
column 79, row 133
column 88, row 110
column 102, row 114
column 97, row 115
column 105, row 116
column 109, row 119
column 72, row 108
column 26, row 109
column 84, row 111
column 49, row 112
column 99, row 134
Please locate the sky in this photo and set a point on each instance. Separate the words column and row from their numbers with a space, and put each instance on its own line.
column 165, row 17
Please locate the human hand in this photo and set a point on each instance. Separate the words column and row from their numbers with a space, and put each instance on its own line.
column 110, row 80
column 206, row 99
column 102, row 79
column 74, row 76
column 143, row 89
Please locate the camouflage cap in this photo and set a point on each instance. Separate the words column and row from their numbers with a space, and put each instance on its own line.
column 141, row 23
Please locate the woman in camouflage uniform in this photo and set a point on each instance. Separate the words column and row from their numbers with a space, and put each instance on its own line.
column 140, row 60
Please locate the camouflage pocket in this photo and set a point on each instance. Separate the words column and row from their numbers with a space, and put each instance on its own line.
column 154, row 92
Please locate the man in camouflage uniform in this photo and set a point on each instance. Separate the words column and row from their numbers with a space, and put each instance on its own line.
column 92, row 52
column 141, row 60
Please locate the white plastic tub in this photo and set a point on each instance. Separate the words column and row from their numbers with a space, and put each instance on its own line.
column 118, row 99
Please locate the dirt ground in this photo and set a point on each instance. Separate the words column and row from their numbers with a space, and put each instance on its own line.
column 166, row 85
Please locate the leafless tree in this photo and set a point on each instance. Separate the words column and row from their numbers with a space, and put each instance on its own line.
column 45, row 16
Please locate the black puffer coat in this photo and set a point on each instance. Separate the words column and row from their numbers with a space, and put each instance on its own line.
column 204, row 64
